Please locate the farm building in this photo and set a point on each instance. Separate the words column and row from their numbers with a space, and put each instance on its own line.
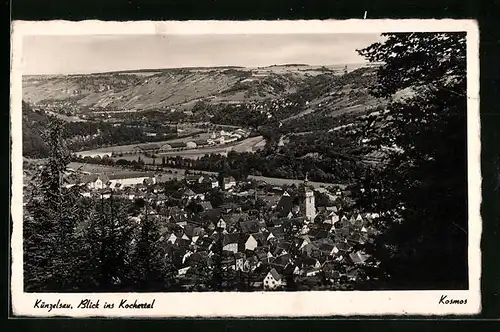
column 166, row 147
column 130, row 179
column 194, row 178
column 151, row 147
column 226, row 139
column 211, row 181
column 228, row 183
column 201, row 143
column 177, row 145
column 113, row 181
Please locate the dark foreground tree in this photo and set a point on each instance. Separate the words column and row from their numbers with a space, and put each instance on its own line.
column 51, row 215
column 422, row 193
column 107, row 238
column 150, row 264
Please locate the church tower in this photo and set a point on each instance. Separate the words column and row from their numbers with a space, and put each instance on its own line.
column 309, row 203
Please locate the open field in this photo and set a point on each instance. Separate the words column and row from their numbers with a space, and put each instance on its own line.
column 130, row 147
column 281, row 181
column 65, row 117
column 95, row 169
column 179, row 173
column 246, row 145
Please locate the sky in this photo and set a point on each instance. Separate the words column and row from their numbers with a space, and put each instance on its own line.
column 102, row 53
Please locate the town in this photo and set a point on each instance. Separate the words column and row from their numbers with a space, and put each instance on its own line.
column 281, row 177
column 271, row 237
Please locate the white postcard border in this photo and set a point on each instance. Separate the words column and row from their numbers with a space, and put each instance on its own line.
column 255, row 304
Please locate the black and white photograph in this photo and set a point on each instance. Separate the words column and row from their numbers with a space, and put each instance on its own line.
column 245, row 168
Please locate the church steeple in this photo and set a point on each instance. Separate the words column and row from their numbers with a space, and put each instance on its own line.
column 309, row 201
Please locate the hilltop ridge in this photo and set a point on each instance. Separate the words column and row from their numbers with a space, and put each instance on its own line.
column 171, row 88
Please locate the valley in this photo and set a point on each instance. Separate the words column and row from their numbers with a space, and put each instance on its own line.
column 194, row 113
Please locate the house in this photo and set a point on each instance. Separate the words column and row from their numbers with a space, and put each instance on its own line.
column 328, row 249
column 230, row 207
column 150, row 147
column 200, row 143
column 204, row 243
column 221, row 224
column 239, row 261
column 305, row 241
column 273, row 280
column 105, row 195
column 127, row 179
column 209, row 217
column 205, row 206
column 352, row 274
column 358, row 257
column 193, row 232
column 309, row 262
column 210, row 182
column 228, row 182
column 284, row 206
column 251, row 243
column 312, row 271
column 172, row 238
column 332, row 209
column 318, row 233
column 91, row 181
column 291, row 269
column 355, row 238
column 165, row 147
column 230, row 242
column 332, row 218
column 276, row 233
column 191, row 145
column 343, row 247
column 262, row 254
column 189, row 194
column 282, row 259
column 250, row 226
column 182, row 272
column 194, row 178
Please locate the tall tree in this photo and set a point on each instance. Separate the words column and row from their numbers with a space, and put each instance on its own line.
column 217, row 268
column 149, row 262
column 422, row 192
column 291, row 230
column 108, row 245
column 51, row 215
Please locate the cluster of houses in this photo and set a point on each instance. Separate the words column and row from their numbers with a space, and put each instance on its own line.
column 269, row 107
column 95, row 184
column 272, row 245
column 325, row 245
column 216, row 138
column 225, row 137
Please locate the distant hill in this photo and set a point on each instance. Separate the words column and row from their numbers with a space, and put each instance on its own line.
column 323, row 90
column 165, row 88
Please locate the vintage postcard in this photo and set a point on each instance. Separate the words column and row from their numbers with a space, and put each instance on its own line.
column 245, row 169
